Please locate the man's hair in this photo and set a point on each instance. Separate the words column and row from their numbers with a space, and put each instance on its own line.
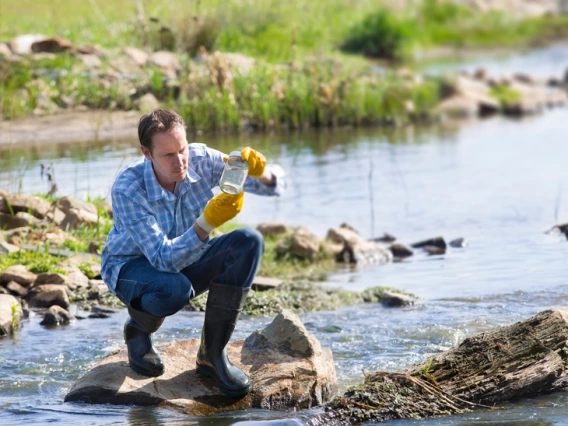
column 157, row 121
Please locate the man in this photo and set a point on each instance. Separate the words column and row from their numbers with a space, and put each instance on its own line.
column 159, row 255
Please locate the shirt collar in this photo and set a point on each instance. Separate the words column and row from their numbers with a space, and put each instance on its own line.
column 156, row 191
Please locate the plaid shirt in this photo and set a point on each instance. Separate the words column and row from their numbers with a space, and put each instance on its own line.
column 152, row 222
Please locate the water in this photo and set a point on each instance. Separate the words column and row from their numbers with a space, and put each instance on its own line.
column 499, row 183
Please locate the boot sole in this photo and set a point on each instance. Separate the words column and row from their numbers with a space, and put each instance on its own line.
column 203, row 372
column 145, row 372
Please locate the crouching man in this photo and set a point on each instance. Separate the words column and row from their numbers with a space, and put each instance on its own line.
column 159, row 255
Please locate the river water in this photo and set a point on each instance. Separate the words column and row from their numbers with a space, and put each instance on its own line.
column 499, row 183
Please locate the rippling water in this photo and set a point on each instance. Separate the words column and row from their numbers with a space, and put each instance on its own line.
column 499, row 183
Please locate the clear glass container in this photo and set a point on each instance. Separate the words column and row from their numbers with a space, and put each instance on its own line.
column 234, row 174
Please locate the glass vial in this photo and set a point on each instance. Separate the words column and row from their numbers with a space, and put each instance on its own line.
column 234, row 174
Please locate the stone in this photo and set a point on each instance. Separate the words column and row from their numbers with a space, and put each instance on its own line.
column 47, row 295
column 96, row 289
column 31, row 220
column 386, row 238
column 282, row 376
column 7, row 248
column 268, row 229
column 22, row 45
column 5, row 50
column 75, row 277
column 70, row 203
column 8, row 221
column 74, row 218
column 36, row 206
column 55, row 316
column 265, row 283
column 457, row 107
column 304, row 244
column 357, row 249
column 400, row 251
column 50, row 278
column 147, row 103
column 17, row 289
column 458, row 243
column 91, row 61
column 52, row 45
column 396, row 300
column 10, row 310
column 438, row 242
column 89, row 260
column 138, row 56
column 167, row 61
column 19, row 274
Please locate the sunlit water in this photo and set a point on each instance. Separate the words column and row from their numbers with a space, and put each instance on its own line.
column 499, row 183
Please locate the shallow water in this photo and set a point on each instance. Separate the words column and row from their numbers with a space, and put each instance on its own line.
column 499, row 183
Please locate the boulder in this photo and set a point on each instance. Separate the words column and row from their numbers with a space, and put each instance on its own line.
column 396, row 300
column 457, row 106
column 22, row 45
column 77, row 212
column 7, row 221
column 7, row 248
column 52, row 45
column 75, row 278
column 400, row 251
column 436, row 245
column 47, row 295
column 358, row 250
column 56, row 315
column 17, row 289
column 50, row 278
column 287, row 366
column 10, row 311
column 304, row 244
column 30, row 219
column 136, row 55
column 268, row 229
column 19, row 274
column 36, row 206
column 147, row 103
column 167, row 62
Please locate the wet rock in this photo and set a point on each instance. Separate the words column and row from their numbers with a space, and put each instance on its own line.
column 396, row 300
column 50, row 278
column 47, row 295
column 56, row 315
column 268, row 229
column 17, row 289
column 458, row 243
column 147, row 103
column 52, row 45
column 281, row 377
column 10, row 310
column 438, row 242
column 22, row 45
column 400, row 251
column 19, row 274
column 304, row 244
column 357, row 249
column 138, row 56
column 99, row 315
column 8, row 221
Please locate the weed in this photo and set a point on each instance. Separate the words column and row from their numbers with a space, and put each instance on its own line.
column 15, row 313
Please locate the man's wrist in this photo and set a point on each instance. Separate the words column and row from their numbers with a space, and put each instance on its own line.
column 267, row 178
column 201, row 233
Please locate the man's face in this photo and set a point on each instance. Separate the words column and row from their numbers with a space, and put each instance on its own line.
column 169, row 156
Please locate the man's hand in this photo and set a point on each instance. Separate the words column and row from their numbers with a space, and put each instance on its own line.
column 256, row 161
column 219, row 210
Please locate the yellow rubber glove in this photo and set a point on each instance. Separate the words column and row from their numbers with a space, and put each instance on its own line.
column 256, row 161
column 219, row 210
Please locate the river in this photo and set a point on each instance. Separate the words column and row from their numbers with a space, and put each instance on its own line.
column 499, row 183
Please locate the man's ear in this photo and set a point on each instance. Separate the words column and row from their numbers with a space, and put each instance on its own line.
column 146, row 152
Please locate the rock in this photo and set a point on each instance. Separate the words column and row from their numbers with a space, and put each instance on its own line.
column 30, row 219
column 386, row 238
column 457, row 106
column 477, row 91
column 265, row 283
column 19, row 274
column 56, row 315
column 147, row 103
column 7, row 305
column 28, row 204
column 5, row 50
column 77, row 212
column 7, row 248
column 400, row 251
column 396, row 300
column 167, row 61
column 96, row 289
column 138, row 56
column 357, row 249
column 458, row 243
column 16, row 289
column 50, row 278
column 47, row 295
column 281, row 375
column 22, row 45
column 75, row 278
column 304, row 244
column 91, row 61
column 270, row 229
column 434, row 242
column 86, row 260
column 52, row 45
column 8, row 221
column 345, row 225
column 561, row 227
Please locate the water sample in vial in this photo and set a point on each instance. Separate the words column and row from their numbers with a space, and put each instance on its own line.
column 234, row 174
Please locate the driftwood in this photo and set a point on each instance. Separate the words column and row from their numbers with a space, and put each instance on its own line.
column 521, row 360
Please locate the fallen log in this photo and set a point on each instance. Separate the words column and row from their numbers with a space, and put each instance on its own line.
column 520, row 360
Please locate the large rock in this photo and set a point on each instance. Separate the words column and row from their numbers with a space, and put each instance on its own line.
column 358, row 250
column 77, row 212
column 36, row 206
column 56, row 315
column 268, row 229
column 47, row 295
column 304, row 244
column 10, row 311
column 7, row 248
column 19, row 274
column 7, row 221
column 287, row 366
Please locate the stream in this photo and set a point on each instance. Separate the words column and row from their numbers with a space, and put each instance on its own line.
column 500, row 183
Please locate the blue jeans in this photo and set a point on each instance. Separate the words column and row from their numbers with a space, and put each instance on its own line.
column 231, row 259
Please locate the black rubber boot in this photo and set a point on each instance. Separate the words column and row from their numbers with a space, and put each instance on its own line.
column 142, row 356
column 224, row 304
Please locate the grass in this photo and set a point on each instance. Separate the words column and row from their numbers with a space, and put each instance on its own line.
column 14, row 311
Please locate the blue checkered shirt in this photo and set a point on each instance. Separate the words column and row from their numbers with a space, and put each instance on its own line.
column 153, row 222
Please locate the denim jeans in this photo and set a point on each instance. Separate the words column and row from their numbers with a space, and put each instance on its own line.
column 231, row 259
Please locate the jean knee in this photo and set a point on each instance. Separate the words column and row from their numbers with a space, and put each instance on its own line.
column 251, row 240
column 177, row 294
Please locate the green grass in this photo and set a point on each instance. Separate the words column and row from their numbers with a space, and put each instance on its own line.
column 38, row 261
